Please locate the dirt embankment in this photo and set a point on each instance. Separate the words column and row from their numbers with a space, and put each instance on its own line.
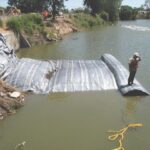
column 64, row 25
column 55, row 30
column 10, row 100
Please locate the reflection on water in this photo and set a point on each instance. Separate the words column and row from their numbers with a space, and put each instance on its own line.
column 71, row 121
column 130, row 109
column 59, row 97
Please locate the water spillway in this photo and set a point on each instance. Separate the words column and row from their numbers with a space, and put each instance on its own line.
column 61, row 76
column 40, row 76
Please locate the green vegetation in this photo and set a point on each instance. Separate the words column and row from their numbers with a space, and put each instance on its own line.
column 33, row 27
column 36, row 30
column 27, row 6
column 147, row 4
column 148, row 15
column 110, row 7
column 82, row 20
column 28, row 23
column 1, row 23
column 56, row 6
column 128, row 13
column 95, row 6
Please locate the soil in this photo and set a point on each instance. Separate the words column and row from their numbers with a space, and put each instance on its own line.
column 10, row 100
column 54, row 31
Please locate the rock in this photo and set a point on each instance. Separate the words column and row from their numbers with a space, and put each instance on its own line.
column 2, row 94
column 10, row 100
column 3, row 113
column 1, row 116
column 20, row 146
column 74, row 29
column 15, row 94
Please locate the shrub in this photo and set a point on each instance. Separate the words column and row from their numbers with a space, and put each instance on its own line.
column 127, row 13
column 14, row 24
column 87, row 20
column 28, row 23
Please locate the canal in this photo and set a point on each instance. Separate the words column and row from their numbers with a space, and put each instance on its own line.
column 80, row 121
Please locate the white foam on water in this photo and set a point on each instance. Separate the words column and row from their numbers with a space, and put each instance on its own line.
column 137, row 28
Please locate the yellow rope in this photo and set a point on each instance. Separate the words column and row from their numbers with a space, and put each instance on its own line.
column 120, row 134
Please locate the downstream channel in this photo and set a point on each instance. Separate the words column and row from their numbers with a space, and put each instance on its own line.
column 80, row 121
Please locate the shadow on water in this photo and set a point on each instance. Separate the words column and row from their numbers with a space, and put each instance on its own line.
column 59, row 97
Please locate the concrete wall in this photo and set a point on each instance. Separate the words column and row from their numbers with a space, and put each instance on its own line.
column 11, row 40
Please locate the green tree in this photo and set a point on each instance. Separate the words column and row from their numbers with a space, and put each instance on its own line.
column 96, row 6
column 112, row 8
column 109, row 6
column 56, row 5
column 37, row 5
column 147, row 4
column 28, row 5
column 128, row 13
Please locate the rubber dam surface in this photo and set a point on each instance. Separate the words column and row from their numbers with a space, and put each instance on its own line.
column 39, row 76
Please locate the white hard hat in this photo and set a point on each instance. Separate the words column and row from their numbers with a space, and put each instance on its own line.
column 136, row 54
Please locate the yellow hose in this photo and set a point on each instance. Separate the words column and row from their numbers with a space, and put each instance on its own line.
column 120, row 134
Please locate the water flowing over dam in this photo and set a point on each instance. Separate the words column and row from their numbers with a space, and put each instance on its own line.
column 44, row 77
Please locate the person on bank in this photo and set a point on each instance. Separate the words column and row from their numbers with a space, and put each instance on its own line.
column 133, row 65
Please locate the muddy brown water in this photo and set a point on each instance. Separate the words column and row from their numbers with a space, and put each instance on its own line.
column 71, row 121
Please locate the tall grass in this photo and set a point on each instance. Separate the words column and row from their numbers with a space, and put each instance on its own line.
column 83, row 20
column 28, row 23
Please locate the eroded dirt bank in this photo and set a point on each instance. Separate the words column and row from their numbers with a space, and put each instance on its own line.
column 10, row 100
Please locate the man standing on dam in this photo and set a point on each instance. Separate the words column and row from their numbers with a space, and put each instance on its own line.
column 133, row 65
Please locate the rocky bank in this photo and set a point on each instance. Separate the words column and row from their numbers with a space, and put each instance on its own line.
column 10, row 100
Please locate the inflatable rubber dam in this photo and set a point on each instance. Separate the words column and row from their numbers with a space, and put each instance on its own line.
column 43, row 77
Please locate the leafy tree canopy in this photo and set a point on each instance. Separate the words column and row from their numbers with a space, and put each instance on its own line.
column 147, row 4
column 109, row 6
column 37, row 5
column 127, row 13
